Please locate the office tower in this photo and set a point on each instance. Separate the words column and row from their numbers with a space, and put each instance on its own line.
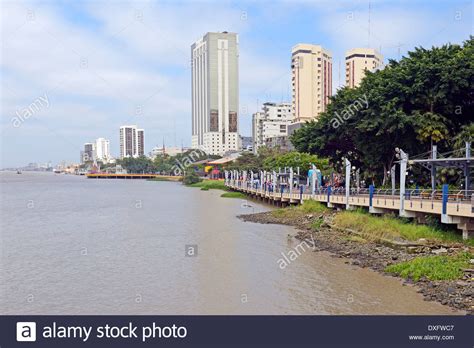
column 358, row 60
column 89, row 153
column 215, row 93
column 311, row 67
column 132, row 141
column 271, row 122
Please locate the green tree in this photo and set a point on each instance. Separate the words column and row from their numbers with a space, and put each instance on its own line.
column 426, row 98
column 190, row 177
column 137, row 165
column 296, row 160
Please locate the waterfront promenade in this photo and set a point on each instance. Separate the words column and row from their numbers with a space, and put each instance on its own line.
column 453, row 207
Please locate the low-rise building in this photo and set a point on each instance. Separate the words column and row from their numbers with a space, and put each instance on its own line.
column 169, row 151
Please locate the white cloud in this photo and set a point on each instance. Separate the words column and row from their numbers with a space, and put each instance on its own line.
column 113, row 57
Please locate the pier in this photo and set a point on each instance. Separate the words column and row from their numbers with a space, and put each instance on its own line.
column 284, row 187
column 451, row 207
column 132, row 176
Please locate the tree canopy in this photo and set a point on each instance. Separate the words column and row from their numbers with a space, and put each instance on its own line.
column 274, row 158
column 425, row 98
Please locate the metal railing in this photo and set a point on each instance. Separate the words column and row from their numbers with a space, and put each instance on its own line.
column 459, row 196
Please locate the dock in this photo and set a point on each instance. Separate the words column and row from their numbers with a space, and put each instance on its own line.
column 133, row 176
column 452, row 207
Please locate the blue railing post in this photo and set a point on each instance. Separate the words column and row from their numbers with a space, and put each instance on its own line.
column 371, row 194
column 445, row 198
column 329, row 194
column 301, row 192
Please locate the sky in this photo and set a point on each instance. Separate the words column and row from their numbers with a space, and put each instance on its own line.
column 74, row 71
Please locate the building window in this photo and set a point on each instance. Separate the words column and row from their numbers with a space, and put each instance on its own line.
column 232, row 121
column 214, row 124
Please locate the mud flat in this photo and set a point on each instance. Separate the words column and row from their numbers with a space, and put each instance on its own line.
column 378, row 255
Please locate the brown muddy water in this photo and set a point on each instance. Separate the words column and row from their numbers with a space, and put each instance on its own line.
column 71, row 245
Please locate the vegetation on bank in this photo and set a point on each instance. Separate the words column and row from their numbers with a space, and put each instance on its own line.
column 389, row 227
column 206, row 185
column 191, row 178
column 233, row 194
column 308, row 207
column 210, row 185
column 440, row 267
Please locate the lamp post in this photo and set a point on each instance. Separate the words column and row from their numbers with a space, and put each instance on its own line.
column 403, row 173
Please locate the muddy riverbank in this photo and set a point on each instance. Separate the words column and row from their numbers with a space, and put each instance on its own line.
column 457, row 294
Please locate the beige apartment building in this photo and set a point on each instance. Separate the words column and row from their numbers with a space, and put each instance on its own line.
column 358, row 60
column 311, row 67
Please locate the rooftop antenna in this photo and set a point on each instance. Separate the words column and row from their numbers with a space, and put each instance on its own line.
column 399, row 45
column 174, row 130
column 164, row 152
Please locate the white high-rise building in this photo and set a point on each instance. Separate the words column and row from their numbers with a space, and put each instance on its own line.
column 358, row 61
column 132, row 141
column 311, row 67
column 215, row 93
column 102, row 150
column 271, row 122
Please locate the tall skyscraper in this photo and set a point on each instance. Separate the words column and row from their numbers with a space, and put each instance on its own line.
column 311, row 67
column 132, row 141
column 358, row 60
column 102, row 150
column 215, row 93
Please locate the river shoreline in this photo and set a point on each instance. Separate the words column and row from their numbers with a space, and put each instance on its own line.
column 457, row 294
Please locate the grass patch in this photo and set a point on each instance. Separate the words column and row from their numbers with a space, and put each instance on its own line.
column 308, row 207
column 389, row 227
column 433, row 267
column 210, row 185
column 316, row 224
column 233, row 195
column 311, row 206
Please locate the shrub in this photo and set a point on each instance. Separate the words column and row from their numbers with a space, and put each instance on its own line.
column 191, row 178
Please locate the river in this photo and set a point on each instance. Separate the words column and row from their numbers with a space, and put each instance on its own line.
column 71, row 245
